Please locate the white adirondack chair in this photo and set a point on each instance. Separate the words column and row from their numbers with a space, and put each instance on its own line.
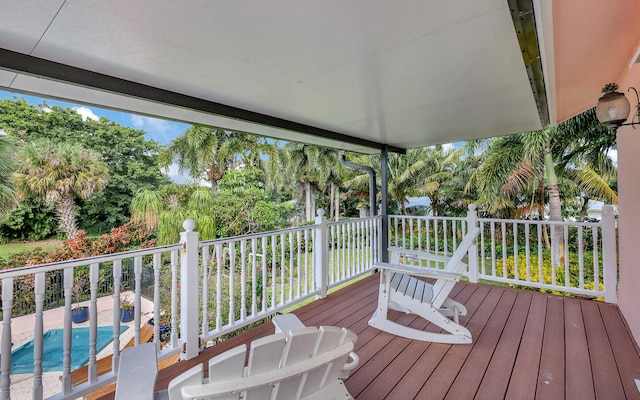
column 137, row 372
column 301, row 364
column 400, row 290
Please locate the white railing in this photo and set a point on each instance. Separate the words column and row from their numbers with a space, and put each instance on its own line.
column 568, row 257
column 204, row 290
column 199, row 291
column 247, row 278
column 353, row 247
column 74, row 272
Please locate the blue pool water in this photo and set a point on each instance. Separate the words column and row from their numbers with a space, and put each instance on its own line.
column 22, row 357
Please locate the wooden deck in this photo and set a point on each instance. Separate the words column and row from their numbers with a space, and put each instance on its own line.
column 526, row 345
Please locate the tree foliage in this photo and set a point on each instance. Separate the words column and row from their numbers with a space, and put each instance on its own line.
column 130, row 158
column 57, row 173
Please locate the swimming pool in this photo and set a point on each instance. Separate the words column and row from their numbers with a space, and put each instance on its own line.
column 22, row 357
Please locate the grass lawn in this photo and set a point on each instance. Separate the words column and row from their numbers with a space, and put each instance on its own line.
column 18, row 247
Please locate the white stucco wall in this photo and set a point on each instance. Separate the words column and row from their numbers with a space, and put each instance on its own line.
column 628, row 144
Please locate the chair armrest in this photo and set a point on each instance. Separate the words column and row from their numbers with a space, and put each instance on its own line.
column 420, row 271
column 419, row 254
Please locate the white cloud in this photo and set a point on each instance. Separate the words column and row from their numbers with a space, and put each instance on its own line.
column 160, row 130
column 174, row 174
column 86, row 113
column 445, row 146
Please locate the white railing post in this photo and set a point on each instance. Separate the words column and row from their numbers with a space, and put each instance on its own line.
column 321, row 254
column 189, row 291
column 5, row 363
column 472, row 221
column 38, row 331
column 609, row 255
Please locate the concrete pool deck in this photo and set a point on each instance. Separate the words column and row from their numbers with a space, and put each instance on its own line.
column 22, row 332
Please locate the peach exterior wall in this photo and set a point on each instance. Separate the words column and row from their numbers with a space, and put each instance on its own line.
column 628, row 144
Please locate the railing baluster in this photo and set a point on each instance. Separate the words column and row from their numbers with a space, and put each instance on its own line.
column 503, row 227
column 254, row 277
column 493, row 249
column 309, row 274
column 66, row 345
column 38, row 331
column 94, row 276
column 445, row 238
column 174, row 299
column 232, row 275
column 516, row 270
column 243, row 280
column 157, row 262
column 596, row 260
column 527, row 238
column 205, row 291
column 219, row 267
column 298, row 262
column 482, row 249
column 282, row 269
column 567, row 273
column 264, row 296
column 291, row 266
column 274, row 271
column 540, row 255
column 137, row 273
column 117, row 281
column 580, row 259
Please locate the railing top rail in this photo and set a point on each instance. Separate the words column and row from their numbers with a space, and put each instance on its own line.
column 255, row 235
column 538, row 222
column 53, row 266
column 429, row 217
column 352, row 220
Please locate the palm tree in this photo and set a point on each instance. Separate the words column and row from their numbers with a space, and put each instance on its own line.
column 207, row 152
column 7, row 198
column 311, row 167
column 520, row 167
column 57, row 173
column 412, row 174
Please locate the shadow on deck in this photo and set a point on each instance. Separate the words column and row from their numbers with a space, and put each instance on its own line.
column 526, row 345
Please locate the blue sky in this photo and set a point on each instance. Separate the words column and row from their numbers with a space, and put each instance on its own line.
column 160, row 130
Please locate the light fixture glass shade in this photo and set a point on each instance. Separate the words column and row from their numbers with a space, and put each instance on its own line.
column 612, row 109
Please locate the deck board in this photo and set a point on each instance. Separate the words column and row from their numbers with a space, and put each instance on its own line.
column 579, row 382
column 606, row 380
column 521, row 338
column 551, row 379
column 498, row 372
column 524, row 378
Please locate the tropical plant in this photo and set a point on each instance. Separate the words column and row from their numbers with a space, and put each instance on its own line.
column 146, row 206
column 7, row 148
column 57, row 173
column 419, row 172
column 78, row 289
column 130, row 158
column 207, row 152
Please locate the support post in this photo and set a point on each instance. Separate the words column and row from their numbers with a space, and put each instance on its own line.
column 384, row 182
column 321, row 255
column 189, row 291
column 609, row 254
column 472, row 221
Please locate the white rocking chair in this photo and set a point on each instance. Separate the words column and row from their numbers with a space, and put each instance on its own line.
column 400, row 290
column 304, row 364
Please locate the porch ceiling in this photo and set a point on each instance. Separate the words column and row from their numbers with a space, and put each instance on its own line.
column 403, row 74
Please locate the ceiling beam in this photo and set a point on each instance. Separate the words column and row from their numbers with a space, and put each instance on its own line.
column 42, row 68
column 524, row 23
